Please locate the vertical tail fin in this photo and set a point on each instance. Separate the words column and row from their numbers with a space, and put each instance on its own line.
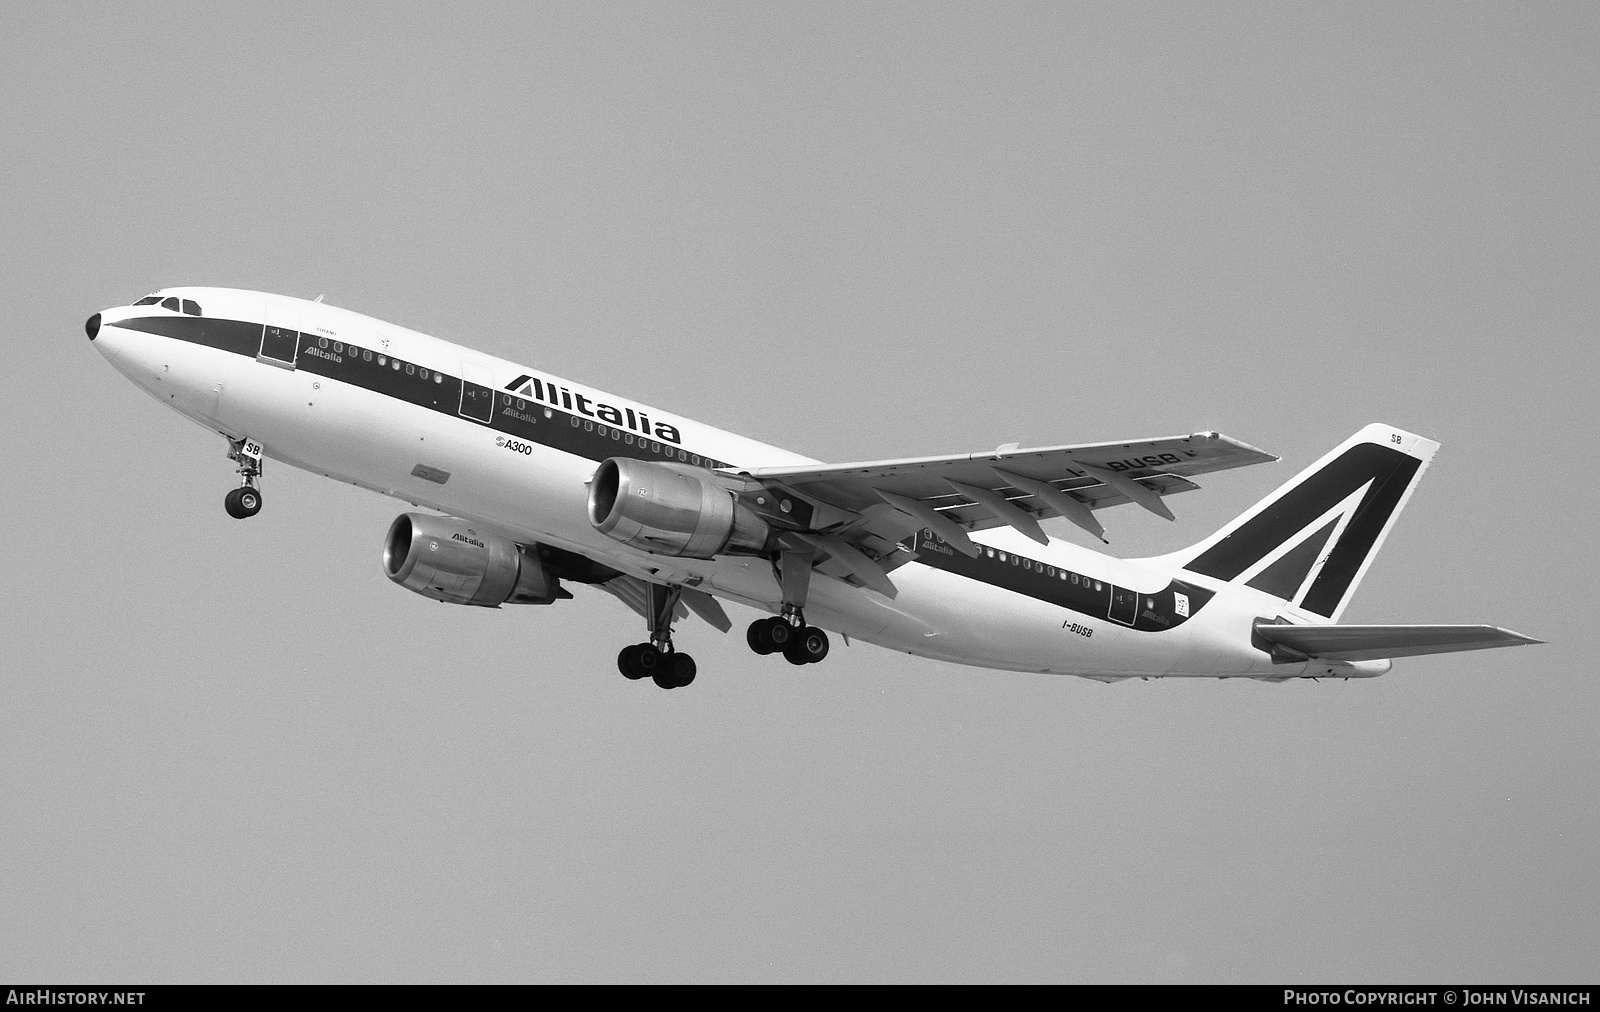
column 1311, row 541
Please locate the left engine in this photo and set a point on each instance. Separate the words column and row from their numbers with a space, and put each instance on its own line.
column 443, row 558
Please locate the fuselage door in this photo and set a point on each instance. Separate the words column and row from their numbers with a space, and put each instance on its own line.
column 280, row 337
column 1124, row 605
column 477, row 397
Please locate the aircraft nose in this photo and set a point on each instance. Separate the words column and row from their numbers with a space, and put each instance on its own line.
column 92, row 326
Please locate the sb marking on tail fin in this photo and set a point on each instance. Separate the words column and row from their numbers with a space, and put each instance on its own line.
column 1311, row 541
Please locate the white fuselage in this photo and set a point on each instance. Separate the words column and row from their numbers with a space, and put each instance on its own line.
column 535, row 493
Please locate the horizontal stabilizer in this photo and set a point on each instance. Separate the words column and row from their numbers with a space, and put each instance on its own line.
column 1372, row 642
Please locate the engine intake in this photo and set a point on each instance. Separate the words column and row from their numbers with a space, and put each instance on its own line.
column 443, row 558
column 671, row 509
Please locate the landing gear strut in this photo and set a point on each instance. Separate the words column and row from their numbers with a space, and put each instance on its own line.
column 657, row 659
column 787, row 632
column 245, row 501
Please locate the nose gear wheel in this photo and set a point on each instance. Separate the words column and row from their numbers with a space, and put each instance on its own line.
column 245, row 501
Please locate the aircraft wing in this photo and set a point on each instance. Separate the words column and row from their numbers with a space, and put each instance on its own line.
column 1372, row 642
column 1006, row 486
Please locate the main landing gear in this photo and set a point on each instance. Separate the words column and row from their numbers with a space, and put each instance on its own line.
column 657, row 659
column 789, row 635
column 245, row 501
column 787, row 632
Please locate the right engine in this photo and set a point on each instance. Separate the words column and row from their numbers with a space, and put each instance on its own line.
column 443, row 558
column 671, row 509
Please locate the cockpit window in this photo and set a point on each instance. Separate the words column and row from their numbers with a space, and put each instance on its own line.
column 170, row 303
column 191, row 307
column 148, row 300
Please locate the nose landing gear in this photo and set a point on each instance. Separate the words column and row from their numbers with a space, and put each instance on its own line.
column 245, row 501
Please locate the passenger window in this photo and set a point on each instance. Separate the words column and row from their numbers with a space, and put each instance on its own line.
column 366, row 356
column 191, row 307
column 148, row 300
column 411, row 370
column 171, row 304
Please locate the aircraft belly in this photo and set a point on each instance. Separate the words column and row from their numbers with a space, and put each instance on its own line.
column 941, row 615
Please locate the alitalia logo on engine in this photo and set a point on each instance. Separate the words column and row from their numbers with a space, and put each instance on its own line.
column 559, row 396
column 474, row 542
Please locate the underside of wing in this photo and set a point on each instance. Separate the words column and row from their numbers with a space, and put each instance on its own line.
column 1374, row 642
column 635, row 593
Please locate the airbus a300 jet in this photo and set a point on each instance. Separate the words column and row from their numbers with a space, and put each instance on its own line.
column 532, row 482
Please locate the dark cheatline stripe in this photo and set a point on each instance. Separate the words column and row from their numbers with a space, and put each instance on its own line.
column 529, row 420
column 224, row 335
column 1284, row 577
column 1075, row 592
column 1303, row 504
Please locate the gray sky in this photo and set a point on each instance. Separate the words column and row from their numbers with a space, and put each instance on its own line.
column 237, row 752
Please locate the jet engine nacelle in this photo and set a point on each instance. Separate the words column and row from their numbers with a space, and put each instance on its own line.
column 443, row 558
column 671, row 509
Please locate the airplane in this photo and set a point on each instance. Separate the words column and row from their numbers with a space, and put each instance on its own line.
column 533, row 482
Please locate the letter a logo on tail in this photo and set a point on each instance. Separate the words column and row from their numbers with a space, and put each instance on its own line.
column 1311, row 541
